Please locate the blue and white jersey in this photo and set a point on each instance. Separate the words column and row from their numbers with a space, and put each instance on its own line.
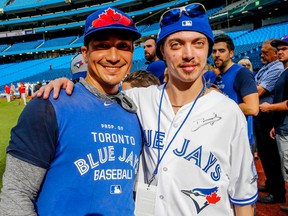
column 90, row 147
column 205, row 163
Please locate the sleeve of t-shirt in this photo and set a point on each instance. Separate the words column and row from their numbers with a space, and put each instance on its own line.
column 268, row 81
column 245, row 83
column 157, row 68
column 34, row 137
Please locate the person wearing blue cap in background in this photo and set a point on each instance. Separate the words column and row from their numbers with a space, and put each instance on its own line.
column 196, row 157
column 78, row 67
column 79, row 155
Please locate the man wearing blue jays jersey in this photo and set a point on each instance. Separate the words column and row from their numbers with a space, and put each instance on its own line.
column 79, row 155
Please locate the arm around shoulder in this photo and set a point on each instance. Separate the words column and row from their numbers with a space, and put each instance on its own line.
column 56, row 85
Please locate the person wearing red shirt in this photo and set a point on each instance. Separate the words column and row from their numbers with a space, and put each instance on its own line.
column 22, row 91
column 7, row 91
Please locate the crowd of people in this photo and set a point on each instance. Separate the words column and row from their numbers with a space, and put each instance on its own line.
column 181, row 135
column 22, row 91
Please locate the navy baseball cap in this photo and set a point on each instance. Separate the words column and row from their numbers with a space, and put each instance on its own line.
column 191, row 17
column 109, row 18
column 78, row 67
column 283, row 41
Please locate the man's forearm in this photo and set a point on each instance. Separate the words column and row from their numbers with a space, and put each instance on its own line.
column 247, row 210
column 279, row 106
column 21, row 183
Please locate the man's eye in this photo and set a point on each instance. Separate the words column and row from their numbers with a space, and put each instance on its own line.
column 175, row 45
column 199, row 43
column 101, row 46
column 124, row 46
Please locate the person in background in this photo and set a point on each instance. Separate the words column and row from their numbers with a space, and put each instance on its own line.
column 7, row 92
column 183, row 171
column 139, row 78
column 22, row 92
column 209, row 73
column 156, row 66
column 79, row 155
column 245, row 62
column 13, row 91
column 78, row 67
column 279, row 108
column 37, row 86
column 267, row 148
column 235, row 81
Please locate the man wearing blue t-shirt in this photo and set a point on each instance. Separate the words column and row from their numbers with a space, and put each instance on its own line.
column 236, row 81
column 79, row 155
column 156, row 66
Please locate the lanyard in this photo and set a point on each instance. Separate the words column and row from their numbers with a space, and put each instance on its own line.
column 158, row 130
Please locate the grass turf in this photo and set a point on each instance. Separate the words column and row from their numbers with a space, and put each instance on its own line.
column 9, row 113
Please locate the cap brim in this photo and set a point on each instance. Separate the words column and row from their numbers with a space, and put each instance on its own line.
column 78, row 75
column 276, row 43
column 133, row 33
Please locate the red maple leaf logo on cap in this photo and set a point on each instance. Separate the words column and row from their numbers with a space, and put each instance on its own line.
column 110, row 17
column 213, row 199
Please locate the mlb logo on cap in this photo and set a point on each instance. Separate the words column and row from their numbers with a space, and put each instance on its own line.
column 187, row 23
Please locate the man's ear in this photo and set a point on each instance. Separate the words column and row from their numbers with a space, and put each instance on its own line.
column 84, row 53
column 231, row 54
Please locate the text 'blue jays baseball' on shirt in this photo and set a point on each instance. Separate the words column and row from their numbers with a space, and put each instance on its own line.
column 91, row 149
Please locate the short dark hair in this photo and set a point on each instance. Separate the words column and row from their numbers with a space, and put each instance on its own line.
column 226, row 39
column 141, row 78
column 152, row 38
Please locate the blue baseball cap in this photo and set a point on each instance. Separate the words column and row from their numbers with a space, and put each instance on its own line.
column 195, row 19
column 109, row 18
column 283, row 41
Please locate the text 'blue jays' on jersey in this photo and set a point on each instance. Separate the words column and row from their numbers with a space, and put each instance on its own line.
column 207, row 166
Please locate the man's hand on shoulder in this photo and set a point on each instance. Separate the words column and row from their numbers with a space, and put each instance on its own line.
column 56, row 85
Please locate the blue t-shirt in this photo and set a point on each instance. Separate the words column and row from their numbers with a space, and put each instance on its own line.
column 157, row 68
column 281, row 94
column 210, row 77
column 90, row 148
column 238, row 82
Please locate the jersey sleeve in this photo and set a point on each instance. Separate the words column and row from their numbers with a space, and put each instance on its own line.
column 245, row 83
column 34, row 137
column 243, row 177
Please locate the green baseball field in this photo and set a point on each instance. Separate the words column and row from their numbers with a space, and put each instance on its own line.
column 9, row 113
